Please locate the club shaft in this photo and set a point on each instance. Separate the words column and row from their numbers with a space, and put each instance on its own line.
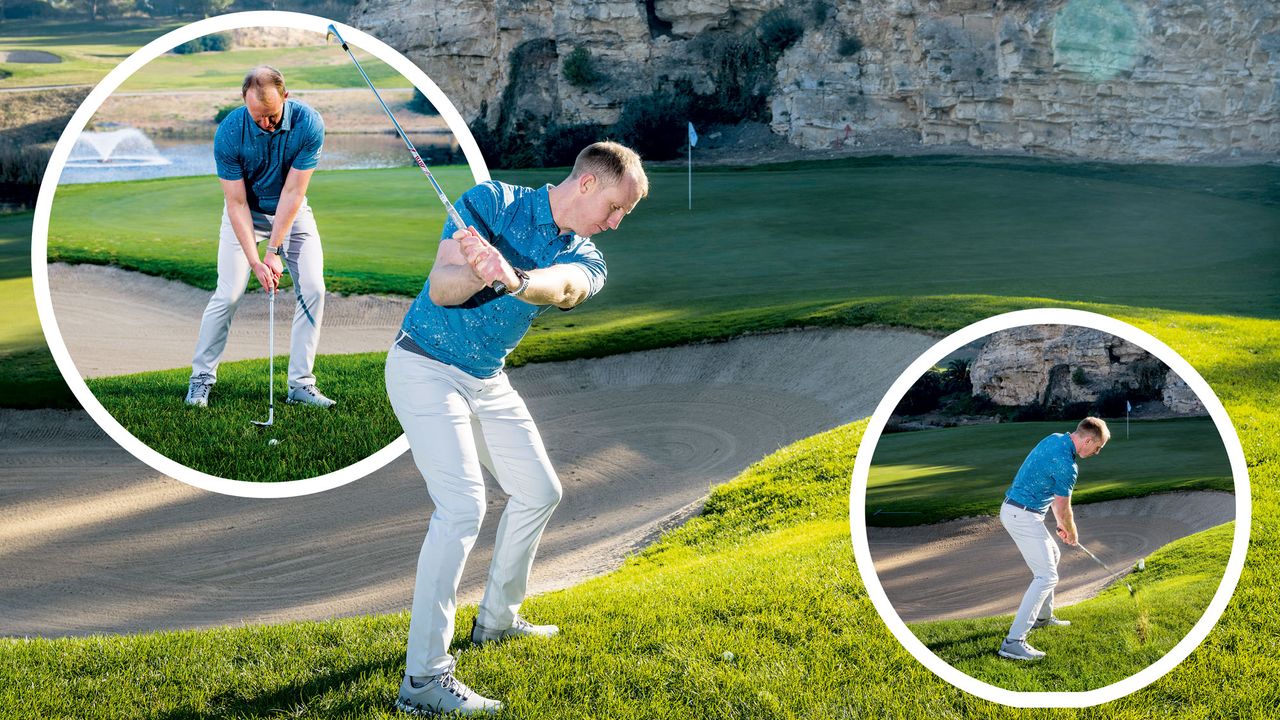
column 1095, row 557
column 448, row 206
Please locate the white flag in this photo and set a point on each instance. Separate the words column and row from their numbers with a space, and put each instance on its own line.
column 1127, row 406
column 693, row 136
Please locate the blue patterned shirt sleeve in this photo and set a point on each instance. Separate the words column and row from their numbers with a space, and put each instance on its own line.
column 586, row 256
column 226, row 144
column 312, row 133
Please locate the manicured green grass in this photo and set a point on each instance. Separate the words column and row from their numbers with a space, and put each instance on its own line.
column 766, row 573
column 770, row 237
column 89, row 50
column 316, row 67
column 220, row 439
column 935, row 475
column 379, row 229
column 28, row 376
column 1112, row 636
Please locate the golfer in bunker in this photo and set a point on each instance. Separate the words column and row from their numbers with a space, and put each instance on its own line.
column 1045, row 481
column 523, row 251
column 265, row 152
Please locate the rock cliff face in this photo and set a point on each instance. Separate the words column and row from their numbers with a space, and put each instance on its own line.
column 1170, row 80
column 1065, row 364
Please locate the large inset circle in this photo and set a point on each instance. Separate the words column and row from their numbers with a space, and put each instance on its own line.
column 44, row 207
column 862, row 471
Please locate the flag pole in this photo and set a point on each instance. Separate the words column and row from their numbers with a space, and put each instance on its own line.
column 691, row 176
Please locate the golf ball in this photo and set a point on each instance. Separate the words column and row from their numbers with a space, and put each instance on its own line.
column 728, row 656
column 273, row 441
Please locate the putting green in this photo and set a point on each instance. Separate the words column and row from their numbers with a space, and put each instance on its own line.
column 931, row 475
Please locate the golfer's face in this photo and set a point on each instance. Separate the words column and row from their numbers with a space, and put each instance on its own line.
column 266, row 110
column 1092, row 446
column 608, row 204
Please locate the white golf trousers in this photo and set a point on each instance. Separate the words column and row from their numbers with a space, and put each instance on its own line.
column 455, row 423
column 1041, row 555
column 305, row 260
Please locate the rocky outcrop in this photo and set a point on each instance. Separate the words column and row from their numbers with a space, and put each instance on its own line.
column 1062, row 365
column 1114, row 79
column 1179, row 397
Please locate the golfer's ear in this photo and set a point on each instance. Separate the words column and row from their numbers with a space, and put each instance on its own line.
column 586, row 183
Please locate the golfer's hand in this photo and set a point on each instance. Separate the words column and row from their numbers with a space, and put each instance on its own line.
column 485, row 260
column 1067, row 537
column 265, row 276
column 274, row 262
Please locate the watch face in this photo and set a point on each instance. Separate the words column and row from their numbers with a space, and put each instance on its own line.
column 500, row 287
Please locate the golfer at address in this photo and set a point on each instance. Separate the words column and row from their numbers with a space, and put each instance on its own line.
column 265, row 153
column 524, row 251
column 1044, row 481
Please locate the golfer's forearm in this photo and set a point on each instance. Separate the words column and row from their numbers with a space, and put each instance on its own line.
column 1066, row 517
column 559, row 285
column 286, row 213
column 242, row 226
column 453, row 284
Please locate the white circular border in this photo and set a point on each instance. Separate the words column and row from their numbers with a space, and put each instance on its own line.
column 862, row 469
column 44, row 206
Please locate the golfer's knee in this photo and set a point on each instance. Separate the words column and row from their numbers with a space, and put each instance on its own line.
column 463, row 520
column 1048, row 579
column 548, row 496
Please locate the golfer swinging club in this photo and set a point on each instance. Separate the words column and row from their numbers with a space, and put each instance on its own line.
column 265, row 153
column 524, row 250
column 1045, row 480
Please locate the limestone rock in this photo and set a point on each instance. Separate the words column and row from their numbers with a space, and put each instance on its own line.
column 1165, row 80
column 1179, row 397
column 1060, row 364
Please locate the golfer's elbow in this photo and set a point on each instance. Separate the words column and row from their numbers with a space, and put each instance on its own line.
column 571, row 295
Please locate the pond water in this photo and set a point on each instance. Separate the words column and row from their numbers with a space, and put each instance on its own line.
column 176, row 158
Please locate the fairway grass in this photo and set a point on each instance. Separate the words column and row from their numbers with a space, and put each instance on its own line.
column 765, row 573
column 928, row 476
column 1111, row 636
column 220, row 439
column 897, row 227
column 89, row 50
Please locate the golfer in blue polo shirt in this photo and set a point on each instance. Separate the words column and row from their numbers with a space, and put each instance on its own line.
column 525, row 251
column 1045, row 480
column 265, row 153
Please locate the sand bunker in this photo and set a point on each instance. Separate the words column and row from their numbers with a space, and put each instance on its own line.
column 39, row 57
column 94, row 541
column 116, row 322
column 970, row 568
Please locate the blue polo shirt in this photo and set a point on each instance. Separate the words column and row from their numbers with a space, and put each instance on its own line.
column 1050, row 469
column 244, row 151
column 477, row 335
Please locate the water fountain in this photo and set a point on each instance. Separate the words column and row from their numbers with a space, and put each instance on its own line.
column 126, row 147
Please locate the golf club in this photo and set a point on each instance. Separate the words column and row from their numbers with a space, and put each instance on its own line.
column 1104, row 565
column 444, row 200
column 271, row 361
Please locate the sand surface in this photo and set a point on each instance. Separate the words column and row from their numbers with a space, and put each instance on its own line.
column 970, row 567
column 94, row 541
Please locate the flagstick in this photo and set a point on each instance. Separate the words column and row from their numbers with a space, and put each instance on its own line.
column 690, row 176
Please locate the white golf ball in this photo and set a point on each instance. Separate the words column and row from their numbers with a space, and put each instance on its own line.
column 273, row 441
column 728, row 656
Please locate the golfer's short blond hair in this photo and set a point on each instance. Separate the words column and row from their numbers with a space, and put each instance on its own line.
column 1096, row 427
column 259, row 79
column 610, row 162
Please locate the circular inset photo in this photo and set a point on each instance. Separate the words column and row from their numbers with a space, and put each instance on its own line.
column 1050, row 508
column 241, row 221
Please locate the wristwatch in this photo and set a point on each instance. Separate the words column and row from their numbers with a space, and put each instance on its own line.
column 502, row 289
column 278, row 250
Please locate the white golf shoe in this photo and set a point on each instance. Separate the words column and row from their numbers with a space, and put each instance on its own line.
column 519, row 628
column 198, row 394
column 442, row 694
column 1051, row 621
column 309, row 395
column 1019, row 650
